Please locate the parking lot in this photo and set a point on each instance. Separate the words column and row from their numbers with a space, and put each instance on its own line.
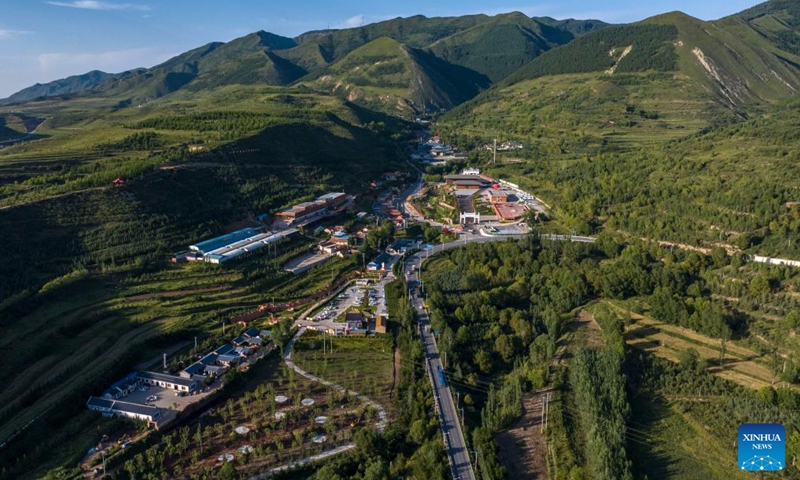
column 351, row 297
column 166, row 398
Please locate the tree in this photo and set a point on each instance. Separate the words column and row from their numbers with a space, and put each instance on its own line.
column 690, row 360
column 227, row 472
column 504, row 346
column 282, row 333
column 760, row 286
column 484, row 361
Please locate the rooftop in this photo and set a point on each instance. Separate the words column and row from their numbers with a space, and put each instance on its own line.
column 119, row 406
column 162, row 377
column 221, row 241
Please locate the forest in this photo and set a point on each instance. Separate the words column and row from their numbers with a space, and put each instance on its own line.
column 503, row 310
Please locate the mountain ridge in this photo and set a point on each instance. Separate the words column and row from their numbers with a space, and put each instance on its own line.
column 263, row 57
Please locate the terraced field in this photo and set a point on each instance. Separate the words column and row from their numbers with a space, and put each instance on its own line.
column 739, row 365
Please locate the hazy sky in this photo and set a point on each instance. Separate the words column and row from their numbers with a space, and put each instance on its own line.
column 44, row 40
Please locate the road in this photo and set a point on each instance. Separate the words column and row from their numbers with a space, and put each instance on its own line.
column 455, row 446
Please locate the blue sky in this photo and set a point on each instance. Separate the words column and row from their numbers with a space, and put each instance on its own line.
column 44, row 40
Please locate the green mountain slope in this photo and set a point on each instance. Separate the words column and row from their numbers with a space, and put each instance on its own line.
column 671, row 128
column 65, row 86
column 500, row 45
column 778, row 21
column 246, row 60
column 492, row 46
column 387, row 75
column 714, row 58
column 320, row 48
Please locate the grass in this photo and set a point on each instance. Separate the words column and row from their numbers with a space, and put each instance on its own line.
column 676, row 445
column 361, row 364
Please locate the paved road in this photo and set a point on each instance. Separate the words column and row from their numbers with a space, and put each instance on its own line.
column 455, row 446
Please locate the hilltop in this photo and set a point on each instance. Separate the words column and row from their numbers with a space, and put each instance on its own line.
column 386, row 74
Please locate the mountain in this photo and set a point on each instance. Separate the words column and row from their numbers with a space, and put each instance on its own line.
column 477, row 47
column 571, row 25
column 65, row 86
column 320, row 48
column 736, row 71
column 246, row 60
column 504, row 43
column 385, row 74
column 672, row 128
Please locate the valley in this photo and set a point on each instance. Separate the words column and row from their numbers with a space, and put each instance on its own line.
column 560, row 226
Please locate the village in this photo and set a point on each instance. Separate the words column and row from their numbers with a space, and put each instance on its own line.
column 332, row 225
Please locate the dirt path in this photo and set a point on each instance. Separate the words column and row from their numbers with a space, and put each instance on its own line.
column 522, row 446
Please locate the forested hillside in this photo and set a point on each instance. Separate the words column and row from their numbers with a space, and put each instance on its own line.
column 386, row 75
column 593, row 319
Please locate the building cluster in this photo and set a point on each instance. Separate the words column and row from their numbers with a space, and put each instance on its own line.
column 468, row 182
column 504, row 146
column 327, row 204
column 435, row 152
column 507, row 200
column 337, row 244
column 114, row 400
column 385, row 261
column 356, row 324
column 235, row 244
column 388, row 206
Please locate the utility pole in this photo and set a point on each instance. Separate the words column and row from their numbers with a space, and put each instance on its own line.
column 223, row 328
column 462, row 416
column 165, row 361
column 547, row 412
column 195, row 344
column 544, row 411
column 103, row 454
column 495, row 152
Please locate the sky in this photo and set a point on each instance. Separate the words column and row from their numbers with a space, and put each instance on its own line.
column 43, row 40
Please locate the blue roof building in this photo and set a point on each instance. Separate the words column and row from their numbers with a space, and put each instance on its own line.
column 223, row 240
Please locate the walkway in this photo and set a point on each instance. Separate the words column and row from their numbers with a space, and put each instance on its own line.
column 380, row 426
